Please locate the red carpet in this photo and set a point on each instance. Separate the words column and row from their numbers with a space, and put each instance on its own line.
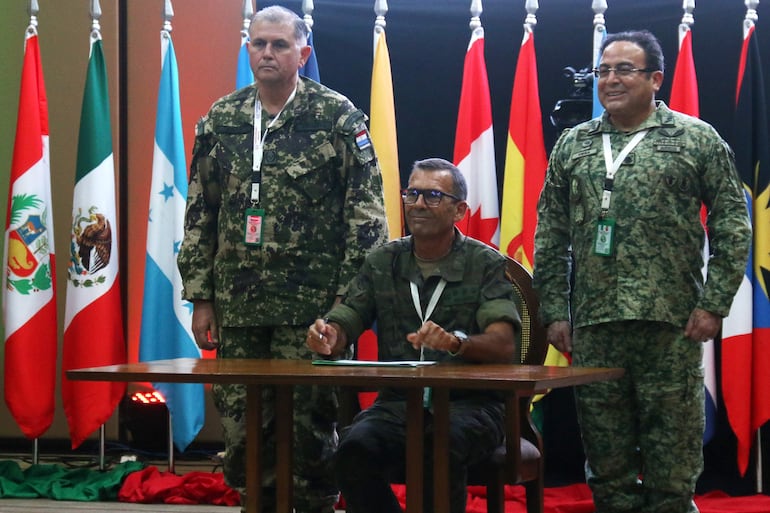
column 577, row 499
column 129, row 482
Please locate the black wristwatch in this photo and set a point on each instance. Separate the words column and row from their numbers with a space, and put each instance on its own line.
column 462, row 339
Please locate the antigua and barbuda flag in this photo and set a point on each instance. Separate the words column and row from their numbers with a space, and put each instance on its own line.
column 746, row 330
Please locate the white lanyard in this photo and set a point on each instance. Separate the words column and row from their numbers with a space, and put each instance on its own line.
column 431, row 304
column 259, row 143
column 613, row 165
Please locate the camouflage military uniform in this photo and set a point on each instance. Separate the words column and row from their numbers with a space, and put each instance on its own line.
column 476, row 295
column 630, row 309
column 321, row 191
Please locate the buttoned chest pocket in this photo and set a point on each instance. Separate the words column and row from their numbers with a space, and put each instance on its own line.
column 313, row 173
column 234, row 153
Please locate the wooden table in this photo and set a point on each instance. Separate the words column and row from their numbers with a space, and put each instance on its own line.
column 519, row 380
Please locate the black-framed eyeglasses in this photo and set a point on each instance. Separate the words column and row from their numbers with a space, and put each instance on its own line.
column 432, row 197
column 620, row 71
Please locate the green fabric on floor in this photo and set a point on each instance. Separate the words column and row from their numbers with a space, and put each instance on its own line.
column 59, row 483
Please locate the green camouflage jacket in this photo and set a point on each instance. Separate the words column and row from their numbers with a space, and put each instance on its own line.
column 321, row 191
column 655, row 270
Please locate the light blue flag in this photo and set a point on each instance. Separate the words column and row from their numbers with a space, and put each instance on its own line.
column 600, row 34
column 243, row 74
column 166, row 318
column 310, row 69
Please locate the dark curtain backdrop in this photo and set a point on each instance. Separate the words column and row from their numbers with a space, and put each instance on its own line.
column 427, row 40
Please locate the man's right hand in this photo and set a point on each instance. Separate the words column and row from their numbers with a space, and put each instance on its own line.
column 559, row 335
column 322, row 337
column 204, row 325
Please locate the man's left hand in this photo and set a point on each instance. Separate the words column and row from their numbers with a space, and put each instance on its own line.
column 702, row 325
column 432, row 336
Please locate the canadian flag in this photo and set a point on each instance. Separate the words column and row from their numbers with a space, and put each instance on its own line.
column 474, row 151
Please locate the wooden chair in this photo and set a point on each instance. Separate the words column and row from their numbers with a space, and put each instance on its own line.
column 520, row 460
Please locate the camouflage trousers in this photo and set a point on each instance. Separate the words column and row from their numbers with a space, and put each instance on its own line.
column 315, row 415
column 642, row 434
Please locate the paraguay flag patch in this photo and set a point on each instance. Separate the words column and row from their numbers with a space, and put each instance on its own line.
column 362, row 140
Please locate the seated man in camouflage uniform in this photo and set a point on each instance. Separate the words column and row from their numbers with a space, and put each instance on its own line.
column 435, row 295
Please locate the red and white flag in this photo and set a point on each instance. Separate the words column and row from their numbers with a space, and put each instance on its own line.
column 29, row 294
column 474, row 151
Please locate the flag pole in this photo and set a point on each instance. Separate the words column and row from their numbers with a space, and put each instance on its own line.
column 168, row 15
column 687, row 19
column 599, row 33
column 34, row 9
column 748, row 23
column 247, row 12
column 96, row 13
column 380, row 9
column 307, row 10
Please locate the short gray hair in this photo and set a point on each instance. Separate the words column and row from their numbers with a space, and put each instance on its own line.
column 281, row 15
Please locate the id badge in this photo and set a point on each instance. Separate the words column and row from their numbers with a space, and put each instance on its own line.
column 252, row 234
column 605, row 237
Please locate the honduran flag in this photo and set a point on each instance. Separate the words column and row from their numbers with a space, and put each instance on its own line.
column 474, row 151
column 93, row 323
column 243, row 74
column 29, row 291
column 166, row 318
column 746, row 330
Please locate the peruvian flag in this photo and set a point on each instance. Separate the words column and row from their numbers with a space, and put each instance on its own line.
column 474, row 151
column 93, row 324
column 29, row 292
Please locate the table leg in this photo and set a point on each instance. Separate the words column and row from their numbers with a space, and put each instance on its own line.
column 415, row 432
column 253, row 448
column 284, row 445
column 441, row 493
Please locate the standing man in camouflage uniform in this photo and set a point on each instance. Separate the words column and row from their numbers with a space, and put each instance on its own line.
column 435, row 295
column 622, row 197
column 285, row 200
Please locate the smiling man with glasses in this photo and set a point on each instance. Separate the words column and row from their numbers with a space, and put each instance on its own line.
column 619, row 216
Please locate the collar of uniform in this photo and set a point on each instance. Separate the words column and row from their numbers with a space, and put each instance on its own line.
column 451, row 269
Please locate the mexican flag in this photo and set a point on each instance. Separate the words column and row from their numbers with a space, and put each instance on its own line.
column 93, row 324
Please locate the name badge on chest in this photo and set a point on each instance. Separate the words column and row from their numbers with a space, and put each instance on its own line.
column 604, row 241
column 252, row 234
